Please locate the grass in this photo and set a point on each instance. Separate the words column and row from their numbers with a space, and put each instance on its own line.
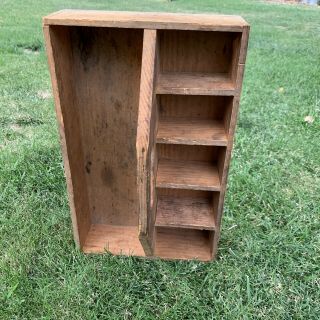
column 268, row 265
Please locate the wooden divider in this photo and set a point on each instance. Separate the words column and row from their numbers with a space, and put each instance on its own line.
column 147, row 121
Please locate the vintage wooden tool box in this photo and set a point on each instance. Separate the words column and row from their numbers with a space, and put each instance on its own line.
column 147, row 105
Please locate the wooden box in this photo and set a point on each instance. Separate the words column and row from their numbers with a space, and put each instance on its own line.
column 147, row 106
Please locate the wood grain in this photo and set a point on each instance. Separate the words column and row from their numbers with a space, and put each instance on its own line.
column 195, row 175
column 196, row 51
column 146, row 20
column 183, row 193
column 191, row 132
column 182, row 244
column 239, row 72
column 121, row 240
column 108, row 112
column 195, row 84
column 145, row 141
column 147, row 106
column 102, row 180
column 194, row 107
column 58, row 46
column 190, row 213
column 189, row 152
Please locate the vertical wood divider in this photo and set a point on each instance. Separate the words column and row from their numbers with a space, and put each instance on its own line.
column 145, row 144
column 232, row 127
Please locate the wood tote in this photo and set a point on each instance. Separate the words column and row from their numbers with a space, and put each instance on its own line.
column 147, row 107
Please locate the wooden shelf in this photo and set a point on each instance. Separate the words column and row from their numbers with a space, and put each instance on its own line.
column 122, row 240
column 182, row 244
column 191, row 132
column 189, row 213
column 148, row 161
column 195, row 84
column 194, row 175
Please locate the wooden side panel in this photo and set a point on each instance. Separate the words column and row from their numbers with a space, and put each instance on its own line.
column 146, row 152
column 58, row 48
column 236, row 48
column 227, row 115
column 233, row 121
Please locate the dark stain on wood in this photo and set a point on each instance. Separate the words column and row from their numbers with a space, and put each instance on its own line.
column 88, row 167
column 107, row 176
column 85, row 41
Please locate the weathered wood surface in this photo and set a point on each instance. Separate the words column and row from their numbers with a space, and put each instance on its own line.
column 146, row 20
column 145, row 140
column 147, row 120
column 192, row 132
column 182, row 244
column 185, row 212
column 59, row 52
column 121, row 240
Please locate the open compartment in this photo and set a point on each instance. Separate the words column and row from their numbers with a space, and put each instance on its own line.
column 98, row 78
column 171, row 243
column 190, row 167
column 190, row 209
column 198, row 62
column 194, row 120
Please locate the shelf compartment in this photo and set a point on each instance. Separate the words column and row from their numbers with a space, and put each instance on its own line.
column 198, row 51
column 189, row 167
column 120, row 240
column 197, row 62
column 185, row 212
column 192, row 132
column 195, row 84
column 182, row 244
column 195, row 175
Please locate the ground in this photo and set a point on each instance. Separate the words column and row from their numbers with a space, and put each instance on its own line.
column 268, row 265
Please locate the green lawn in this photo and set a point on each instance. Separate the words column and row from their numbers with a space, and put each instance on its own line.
column 268, row 264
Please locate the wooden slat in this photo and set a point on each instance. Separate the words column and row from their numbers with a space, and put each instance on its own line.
column 232, row 125
column 195, row 84
column 194, row 175
column 182, row 244
column 191, row 132
column 59, row 53
column 146, row 20
column 145, row 138
column 189, row 213
column 115, row 239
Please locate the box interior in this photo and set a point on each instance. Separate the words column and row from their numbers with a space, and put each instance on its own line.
column 99, row 71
